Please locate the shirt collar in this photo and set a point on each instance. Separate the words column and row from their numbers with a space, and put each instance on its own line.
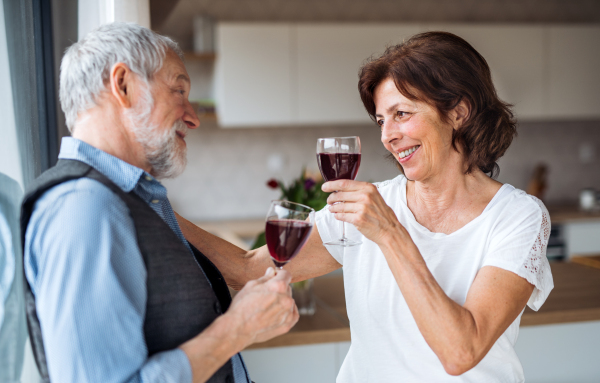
column 123, row 174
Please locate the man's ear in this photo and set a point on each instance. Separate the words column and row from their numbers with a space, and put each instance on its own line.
column 121, row 84
column 461, row 113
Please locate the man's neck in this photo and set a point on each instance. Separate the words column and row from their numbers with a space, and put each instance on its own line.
column 105, row 131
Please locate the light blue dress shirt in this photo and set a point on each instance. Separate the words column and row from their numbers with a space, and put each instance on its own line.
column 88, row 276
column 13, row 327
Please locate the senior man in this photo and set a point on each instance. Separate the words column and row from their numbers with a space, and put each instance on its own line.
column 115, row 292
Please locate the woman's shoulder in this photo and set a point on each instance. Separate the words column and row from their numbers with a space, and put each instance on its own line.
column 520, row 201
column 518, row 207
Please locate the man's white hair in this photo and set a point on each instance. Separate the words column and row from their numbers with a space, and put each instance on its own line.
column 86, row 65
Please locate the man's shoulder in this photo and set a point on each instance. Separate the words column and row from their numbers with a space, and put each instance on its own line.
column 79, row 198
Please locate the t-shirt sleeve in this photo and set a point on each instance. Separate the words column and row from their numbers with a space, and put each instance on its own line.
column 329, row 230
column 519, row 245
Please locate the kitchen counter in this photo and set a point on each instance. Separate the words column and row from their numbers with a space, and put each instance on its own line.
column 239, row 231
column 575, row 298
column 571, row 213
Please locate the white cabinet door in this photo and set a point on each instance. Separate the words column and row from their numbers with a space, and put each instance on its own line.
column 329, row 57
column 315, row 363
column 515, row 55
column 582, row 238
column 253, row 74
column 573, row 74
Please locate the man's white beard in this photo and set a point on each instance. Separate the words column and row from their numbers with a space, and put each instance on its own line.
column 166, row 156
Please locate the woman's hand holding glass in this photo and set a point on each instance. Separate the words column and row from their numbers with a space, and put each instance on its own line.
column 360, row 204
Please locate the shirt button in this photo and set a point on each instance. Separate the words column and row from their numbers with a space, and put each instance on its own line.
column 217, row 307
column 154, row 201
column 148, row 178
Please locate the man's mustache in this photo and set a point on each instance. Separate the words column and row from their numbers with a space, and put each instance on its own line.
column 180, row 127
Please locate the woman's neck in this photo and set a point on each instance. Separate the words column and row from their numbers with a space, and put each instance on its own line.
column 448, row 202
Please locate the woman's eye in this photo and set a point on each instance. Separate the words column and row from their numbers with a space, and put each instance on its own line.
column 380, row 122
column 402, row 114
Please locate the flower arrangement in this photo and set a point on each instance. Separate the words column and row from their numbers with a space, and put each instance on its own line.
column 305, row 190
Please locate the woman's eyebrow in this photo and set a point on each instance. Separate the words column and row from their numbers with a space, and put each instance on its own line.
column 391, row 109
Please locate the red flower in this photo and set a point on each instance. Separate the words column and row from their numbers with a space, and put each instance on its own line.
column 272, row 183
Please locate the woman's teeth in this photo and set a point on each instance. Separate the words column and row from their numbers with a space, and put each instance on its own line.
column 408, row 151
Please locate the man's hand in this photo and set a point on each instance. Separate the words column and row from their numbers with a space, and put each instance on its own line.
column 264, row 308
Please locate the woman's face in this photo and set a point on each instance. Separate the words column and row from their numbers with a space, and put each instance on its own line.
column 413, row 133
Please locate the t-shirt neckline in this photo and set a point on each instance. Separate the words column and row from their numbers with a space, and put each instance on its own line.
column 504, row 190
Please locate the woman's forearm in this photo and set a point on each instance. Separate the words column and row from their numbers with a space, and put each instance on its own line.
column 448, row 328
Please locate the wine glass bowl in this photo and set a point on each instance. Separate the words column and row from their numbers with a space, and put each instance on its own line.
column 339, row 158
column 288, row 226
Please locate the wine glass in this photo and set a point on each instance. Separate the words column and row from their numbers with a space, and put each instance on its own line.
column 288, row 227
column 339, row 158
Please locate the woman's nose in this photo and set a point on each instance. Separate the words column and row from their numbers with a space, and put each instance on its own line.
column 390, row 132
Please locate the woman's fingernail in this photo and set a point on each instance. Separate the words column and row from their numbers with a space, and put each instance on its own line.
column 270, row 271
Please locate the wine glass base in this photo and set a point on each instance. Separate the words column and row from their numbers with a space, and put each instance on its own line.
column 344, row 242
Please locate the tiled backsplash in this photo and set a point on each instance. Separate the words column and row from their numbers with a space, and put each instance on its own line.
column 228, row 168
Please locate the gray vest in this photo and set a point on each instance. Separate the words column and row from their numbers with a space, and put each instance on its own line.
column 181, row 302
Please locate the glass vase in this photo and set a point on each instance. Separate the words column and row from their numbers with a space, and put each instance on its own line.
column 304, row 295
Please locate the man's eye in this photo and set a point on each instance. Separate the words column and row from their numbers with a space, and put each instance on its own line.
column 402, row 114
column 380, row 122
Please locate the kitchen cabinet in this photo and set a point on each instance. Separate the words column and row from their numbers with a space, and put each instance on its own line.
column 559, row 343
column 573, row 78
column 582, row 238
column 515, row 55
column 253, row 84
column 329, row 57
column 306, row 74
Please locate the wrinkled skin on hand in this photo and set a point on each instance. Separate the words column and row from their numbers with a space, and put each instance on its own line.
column 360, row 204
column 264, row 308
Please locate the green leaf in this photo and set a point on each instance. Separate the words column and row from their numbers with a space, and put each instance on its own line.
column 260, row 241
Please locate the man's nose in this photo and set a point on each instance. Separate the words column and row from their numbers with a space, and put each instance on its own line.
column 190, row 117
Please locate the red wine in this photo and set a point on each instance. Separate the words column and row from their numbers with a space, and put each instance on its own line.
column 285, row 237
column 338, row 166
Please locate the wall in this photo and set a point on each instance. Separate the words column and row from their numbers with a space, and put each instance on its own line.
column 571, row 149
column 228, row 168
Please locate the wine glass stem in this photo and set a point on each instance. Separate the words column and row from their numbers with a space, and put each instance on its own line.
column 343, row 231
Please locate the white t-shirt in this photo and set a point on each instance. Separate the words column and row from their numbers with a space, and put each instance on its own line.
column 511, row 233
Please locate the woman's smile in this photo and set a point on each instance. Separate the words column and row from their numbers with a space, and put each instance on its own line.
column 405, row 155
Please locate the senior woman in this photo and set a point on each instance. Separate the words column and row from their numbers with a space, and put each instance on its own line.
column 449, row 256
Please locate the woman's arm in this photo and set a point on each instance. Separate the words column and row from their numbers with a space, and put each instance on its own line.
column 459, row 335
column 239, row 266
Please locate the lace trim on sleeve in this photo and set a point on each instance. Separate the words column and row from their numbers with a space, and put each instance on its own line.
column 536, row 269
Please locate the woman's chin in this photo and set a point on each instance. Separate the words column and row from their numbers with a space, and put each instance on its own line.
column 412, row 174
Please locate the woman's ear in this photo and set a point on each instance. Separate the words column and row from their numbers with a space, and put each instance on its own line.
column 460, row 114
column 121, row 83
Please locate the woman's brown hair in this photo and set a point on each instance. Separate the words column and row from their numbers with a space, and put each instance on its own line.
column 442, row 69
